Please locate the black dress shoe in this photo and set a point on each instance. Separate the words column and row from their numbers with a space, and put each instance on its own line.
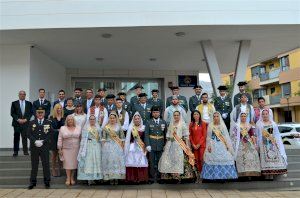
column 31, row 186
column 15, row 154
column 47, row 185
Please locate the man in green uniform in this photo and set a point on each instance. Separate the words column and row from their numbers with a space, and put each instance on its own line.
column 237, row 97
column 155, row 138
column 223, row 105
column 39, row 132
column 155, row 101
column 143, row 107
column 195, row 100
column 182, row 99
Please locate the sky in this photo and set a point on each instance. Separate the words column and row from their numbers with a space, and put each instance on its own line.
column 204, row 77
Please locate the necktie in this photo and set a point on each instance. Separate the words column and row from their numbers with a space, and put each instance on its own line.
column 41, row 102
column 22, row 107
column 40, row 122
column 156, row 121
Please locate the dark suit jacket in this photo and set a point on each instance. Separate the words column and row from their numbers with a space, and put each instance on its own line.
column 16, row 113
column 84, row 105
column 40, row 132
column 57, row 101
column 46, row 105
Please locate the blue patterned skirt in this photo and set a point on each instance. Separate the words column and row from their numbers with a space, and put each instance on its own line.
column 214, row 172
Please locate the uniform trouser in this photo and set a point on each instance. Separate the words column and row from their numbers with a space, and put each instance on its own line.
column 20, row 131
column 227, row 123
column 154, row 157
column 36, row 154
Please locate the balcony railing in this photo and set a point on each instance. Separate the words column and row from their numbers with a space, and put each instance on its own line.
column 275, row 99
column 272, row 74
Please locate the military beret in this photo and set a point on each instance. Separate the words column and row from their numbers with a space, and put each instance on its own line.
column 155, row 90
column 197, row 86
column 155, row 108
column 40, row 110
column 142, row 95
column 242, row 83
column 121, row 94
column 101, row 89
column 110, row 96
column 222, row 87
column 138, row 86
column 174, row 87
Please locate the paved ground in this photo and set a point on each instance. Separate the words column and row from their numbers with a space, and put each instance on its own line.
column 196, row 193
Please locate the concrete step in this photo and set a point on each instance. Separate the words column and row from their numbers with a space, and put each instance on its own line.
column 293, row 173
column 292, row 151
column 293, row 158
column 24, row 180
column 58, row 183
column 293, row 166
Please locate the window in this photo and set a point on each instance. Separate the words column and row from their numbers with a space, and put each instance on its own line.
column 284, row 63
column 272, row 90
column 286, row 89
column 255, row 72
column 283, row 129
column 255, row 94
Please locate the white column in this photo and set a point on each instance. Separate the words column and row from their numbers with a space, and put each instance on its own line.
column 212, row 64
column 241, row 64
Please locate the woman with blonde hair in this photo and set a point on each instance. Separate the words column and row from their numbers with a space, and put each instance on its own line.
column 68, row 144
column 113, row 158
column 57, row 121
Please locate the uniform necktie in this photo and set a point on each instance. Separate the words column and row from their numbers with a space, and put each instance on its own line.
column 41, row 102
column 40, row 122
column 156, row 121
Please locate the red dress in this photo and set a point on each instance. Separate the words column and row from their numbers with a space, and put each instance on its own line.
column 198, row 136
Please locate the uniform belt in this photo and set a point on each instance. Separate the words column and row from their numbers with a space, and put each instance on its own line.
column 157, row 137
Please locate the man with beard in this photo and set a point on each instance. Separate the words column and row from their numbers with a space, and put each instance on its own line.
column 206, row 109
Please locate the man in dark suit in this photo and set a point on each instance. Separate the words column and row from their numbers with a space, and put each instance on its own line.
column 126, row 104
column 39, row 133
column 21, row 112
column 195, row 100
column 223, row 105
column 135, row 99
column 77, row 96
column 237, row 97
column 111, row 106
column 143, row 107
column 155, row 139
column 102, row 94
column 61, row 99
column 155, row 101
column 89, row 101
column 182, row 99
column 42, row 102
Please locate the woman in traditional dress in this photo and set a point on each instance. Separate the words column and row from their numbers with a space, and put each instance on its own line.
column 243, row 138
column 273, row 159
column 177, row 160
column 68, row 144
column 198, row 131
column 57, row 121
column 218, row 156
column 135, row 151
column 79, row 115
column 69, row 109
column 89, row 156
column 113, row 158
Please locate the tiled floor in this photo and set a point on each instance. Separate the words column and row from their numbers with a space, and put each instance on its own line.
column 196, row 193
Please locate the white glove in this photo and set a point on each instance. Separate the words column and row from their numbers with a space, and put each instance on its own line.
column 38, row 143
column 148, row 148
column 224, row 115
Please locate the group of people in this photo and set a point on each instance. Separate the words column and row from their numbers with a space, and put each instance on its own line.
column 104, row 138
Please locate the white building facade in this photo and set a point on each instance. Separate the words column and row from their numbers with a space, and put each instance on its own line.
column 62, row 44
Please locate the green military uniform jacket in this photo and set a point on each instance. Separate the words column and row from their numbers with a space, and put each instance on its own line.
column 223, row 106
column 182, row 102
column 155, row 134
column 237, row 98
column 158, row 102
column 144, row 112
column 194, row 102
